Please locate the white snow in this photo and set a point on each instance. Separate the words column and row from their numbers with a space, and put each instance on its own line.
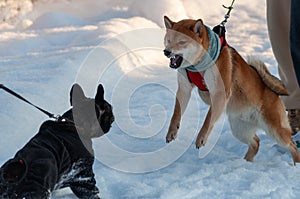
column 47, row 46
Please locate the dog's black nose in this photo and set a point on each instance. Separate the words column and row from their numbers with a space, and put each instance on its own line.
column 167, row 53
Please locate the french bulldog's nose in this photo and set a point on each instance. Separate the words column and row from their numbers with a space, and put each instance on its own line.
column 167, row 52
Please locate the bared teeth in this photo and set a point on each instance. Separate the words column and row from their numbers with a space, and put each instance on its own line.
column 175, row 60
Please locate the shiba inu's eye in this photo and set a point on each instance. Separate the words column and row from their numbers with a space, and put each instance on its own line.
column 168, row 41
column 182, row 42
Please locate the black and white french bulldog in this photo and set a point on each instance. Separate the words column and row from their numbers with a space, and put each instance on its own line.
column 60, row 155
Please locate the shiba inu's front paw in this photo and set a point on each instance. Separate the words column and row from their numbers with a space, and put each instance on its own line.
column 172, row 133
column 201, row 140
column 171, row 136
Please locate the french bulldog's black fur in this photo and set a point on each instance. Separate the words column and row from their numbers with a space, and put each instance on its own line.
column 60, row 154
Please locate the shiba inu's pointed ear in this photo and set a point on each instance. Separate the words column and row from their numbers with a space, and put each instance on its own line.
column 198, row 26
column 168, row 22
column 76, row 94
column 100, row 93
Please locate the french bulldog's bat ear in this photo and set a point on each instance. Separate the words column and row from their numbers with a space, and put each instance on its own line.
column 100, row 93
column 198, row 27
column 168, row 23
column 76, row 94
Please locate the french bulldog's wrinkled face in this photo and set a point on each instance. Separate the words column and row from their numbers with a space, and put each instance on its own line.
column 92, row 117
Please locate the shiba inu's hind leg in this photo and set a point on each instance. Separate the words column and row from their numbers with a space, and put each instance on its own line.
column 245, row 132
column 277, row 127
column 283, row 138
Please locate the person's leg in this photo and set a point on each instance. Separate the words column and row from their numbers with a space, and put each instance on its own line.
column 278, row 18
column 294, row 37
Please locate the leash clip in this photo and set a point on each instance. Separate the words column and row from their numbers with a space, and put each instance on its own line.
column 58, row 118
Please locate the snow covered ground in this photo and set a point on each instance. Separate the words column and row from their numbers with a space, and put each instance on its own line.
column 46, row 47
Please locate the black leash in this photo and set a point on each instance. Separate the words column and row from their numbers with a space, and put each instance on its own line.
column 227, row 15
column 220, row 29
column 50, row 115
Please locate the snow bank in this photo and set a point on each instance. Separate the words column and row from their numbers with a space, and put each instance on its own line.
column 56, row 20
column 156, row 9
column 15, row 13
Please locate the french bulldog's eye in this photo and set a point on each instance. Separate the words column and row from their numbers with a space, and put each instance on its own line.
column 182, row 42
column 168, row 41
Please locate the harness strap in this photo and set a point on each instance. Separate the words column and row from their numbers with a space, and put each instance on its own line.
column 220, row 30
column 197, row 79
column 50, row 115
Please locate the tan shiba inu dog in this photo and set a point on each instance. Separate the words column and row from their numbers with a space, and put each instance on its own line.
column 247, row 91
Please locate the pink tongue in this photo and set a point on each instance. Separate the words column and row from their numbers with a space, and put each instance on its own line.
column 174, row 60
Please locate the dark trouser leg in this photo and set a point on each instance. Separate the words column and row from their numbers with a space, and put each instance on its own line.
column 295, row 36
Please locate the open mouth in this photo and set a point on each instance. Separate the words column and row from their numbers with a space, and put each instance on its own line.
column 176, row 61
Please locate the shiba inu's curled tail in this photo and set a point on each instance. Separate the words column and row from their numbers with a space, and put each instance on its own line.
column 271, row 81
